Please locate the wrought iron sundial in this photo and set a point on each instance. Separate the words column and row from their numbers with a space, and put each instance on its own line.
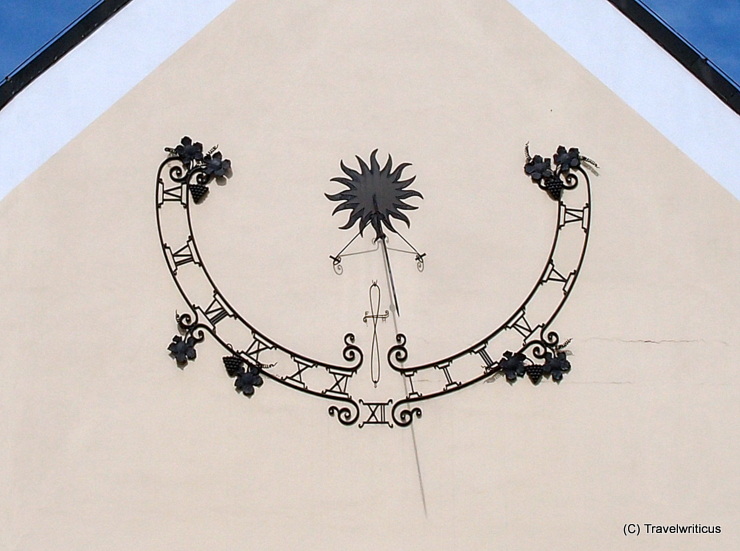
column 374, row 197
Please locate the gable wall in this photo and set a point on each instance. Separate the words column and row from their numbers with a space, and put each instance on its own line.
column 113, row 445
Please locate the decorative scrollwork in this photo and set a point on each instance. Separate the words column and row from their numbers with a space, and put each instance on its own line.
column 348, row 416
column 336, row 264
column 398, row 354
column 190, row 325
column 571, row 181
column 552, row 339
column 351, row 352
column 540, row 347
column 176, row 171
column 186, row 321
column 404, row 417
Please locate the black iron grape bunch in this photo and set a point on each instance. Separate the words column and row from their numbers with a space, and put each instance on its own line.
column 201, row 167
column 551, row 180
column 554, row 187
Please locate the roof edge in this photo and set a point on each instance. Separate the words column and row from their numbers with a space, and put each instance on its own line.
column 48, row 56
column 682, row 51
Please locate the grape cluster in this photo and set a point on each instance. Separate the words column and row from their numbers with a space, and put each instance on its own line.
column 534, row 372
column 233, row 365
column 198, row 191
column 554, row 187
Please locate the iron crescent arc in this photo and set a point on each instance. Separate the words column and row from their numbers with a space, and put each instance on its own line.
column 176, row 180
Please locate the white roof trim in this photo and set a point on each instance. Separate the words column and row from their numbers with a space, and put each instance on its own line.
column 63, row 101
column 86, row 82
column 647, row 78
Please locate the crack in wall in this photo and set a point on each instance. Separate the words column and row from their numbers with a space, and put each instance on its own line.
column 659, row 341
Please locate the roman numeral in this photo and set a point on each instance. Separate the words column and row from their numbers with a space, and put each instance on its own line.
column 445, row 368
column 184, row 255
column 522, row 326
column 170, row 194
column 376, row 413
column 551, row 274
column 259, row 344
column 410, row 378
column 483, row 353
column 216, row 311
column 341, row 377
column 297, row 377
column 568, row 216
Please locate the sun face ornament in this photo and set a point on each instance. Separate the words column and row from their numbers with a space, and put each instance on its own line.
column 374, row 195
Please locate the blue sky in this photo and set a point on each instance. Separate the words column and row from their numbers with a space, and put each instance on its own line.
column 26, row 25
column 712, row 26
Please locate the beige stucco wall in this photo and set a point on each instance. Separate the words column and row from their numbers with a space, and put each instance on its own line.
column 108, row 444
